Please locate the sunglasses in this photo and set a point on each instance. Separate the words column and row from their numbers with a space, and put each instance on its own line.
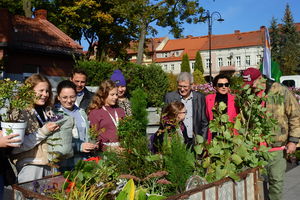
column 222, row 84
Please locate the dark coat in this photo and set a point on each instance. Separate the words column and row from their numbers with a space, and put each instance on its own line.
column 86, row 100
column 200, row 123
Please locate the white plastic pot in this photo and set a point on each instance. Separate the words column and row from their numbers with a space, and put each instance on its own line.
column 14, row 127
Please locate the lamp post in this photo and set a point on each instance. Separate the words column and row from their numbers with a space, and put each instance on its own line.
column 209, row 17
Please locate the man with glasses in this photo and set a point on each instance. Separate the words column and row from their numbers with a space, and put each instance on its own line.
column 195, row 119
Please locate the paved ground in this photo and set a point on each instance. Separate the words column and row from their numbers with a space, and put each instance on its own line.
column 292, row 184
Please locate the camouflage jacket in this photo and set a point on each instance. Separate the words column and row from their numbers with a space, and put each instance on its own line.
column 284, row 107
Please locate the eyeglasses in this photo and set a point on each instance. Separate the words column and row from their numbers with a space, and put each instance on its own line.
column 222, row 84
column 183, row 86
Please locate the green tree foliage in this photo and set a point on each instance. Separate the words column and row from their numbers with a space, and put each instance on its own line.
column 198, row 77
column 163, row 13
column 275, row 38
column 285, row 43
column 172, row 80
column 198, row 63
column 185, row 64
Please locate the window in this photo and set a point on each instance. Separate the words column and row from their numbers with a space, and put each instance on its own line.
column 193, row 65
column 165, row 55
column 248, row 60
column 165, row 67
column 172, row 67
column 207, row 63
column 220, row 62
column 258, row 59
column 229, row 63
column 289, row 83
column 177, row 53
column 27, row 68
column 238, row 61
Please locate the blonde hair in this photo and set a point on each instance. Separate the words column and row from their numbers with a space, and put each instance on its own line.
column 102, row 93
column 35, row 79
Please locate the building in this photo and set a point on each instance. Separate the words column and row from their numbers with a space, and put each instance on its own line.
column 34, row 45
column 229, row 52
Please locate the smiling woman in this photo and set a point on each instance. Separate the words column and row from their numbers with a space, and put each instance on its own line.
column 104, row 114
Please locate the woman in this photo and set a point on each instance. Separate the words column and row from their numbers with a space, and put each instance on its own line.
column 104, row 114
column 31, row 158
column 171, row 122
column 66, row 96
column 7, row 176
column 221, row 83
column 123, row 101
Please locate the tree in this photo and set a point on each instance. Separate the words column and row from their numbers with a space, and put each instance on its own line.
column 275, row 38
column 198, row 77
column 164, row 13
column 290, row 49
column 198, row 63
column 185, row 63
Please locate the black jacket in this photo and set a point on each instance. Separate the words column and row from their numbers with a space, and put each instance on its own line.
column 200, row 123
column 86, row 99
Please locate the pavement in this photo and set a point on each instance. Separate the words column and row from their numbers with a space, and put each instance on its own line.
column 291, row 189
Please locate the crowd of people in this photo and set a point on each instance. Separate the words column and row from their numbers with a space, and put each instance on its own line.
column 186, row 112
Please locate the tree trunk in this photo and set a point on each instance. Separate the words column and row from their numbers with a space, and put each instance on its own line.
column 140, row 53
column 27, row 8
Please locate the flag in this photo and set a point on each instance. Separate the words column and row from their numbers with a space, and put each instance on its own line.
column 267, row 56
column 269, row 68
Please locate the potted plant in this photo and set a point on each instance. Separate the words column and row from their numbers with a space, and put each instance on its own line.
column 14, row 97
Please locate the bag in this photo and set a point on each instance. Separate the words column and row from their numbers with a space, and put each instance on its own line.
column 60, row 142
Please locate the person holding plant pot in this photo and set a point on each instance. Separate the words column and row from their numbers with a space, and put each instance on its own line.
column 66, row 98
column 31, row 157
column 171, row 123
column 7, row 176
column 104, row 114
column 123, row 101
column 221, row 84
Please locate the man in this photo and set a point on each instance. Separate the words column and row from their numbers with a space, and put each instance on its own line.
column 287, row 113
column 84, row 97
column 195, row 119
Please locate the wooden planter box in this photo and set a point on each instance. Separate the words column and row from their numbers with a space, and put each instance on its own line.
column 36, row 189
column 248, row 188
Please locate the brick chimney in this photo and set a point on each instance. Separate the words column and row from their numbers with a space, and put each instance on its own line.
column 237, row 31
column 40, row 14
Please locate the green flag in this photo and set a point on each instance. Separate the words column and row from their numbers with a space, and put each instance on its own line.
column 275, row 71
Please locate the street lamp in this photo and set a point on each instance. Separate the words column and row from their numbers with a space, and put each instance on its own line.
column 209, row 18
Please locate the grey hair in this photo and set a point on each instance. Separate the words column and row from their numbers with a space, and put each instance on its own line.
column 185, row 76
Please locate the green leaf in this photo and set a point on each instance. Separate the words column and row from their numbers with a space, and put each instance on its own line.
column 199, row 139
column 237, row 124
column 236, row 159
column 156, row 197
column 198, row 149
column 140, row 194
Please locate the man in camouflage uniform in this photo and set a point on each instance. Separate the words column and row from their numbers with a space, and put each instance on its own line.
column 283, row 106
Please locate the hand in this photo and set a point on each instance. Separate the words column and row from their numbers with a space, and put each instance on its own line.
column 88, row 147
column 7, row 141
column 291, row 147
column 52, row 126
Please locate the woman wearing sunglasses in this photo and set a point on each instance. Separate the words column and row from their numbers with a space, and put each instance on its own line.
column 221, row 83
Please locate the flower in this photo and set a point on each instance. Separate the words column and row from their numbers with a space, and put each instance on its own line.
column 96, row 159
column 156, row 174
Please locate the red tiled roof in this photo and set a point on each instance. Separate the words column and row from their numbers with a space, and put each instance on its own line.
column 37, row 34
column 151, row 45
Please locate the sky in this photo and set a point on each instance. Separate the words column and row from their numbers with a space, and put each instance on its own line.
column 243, row 15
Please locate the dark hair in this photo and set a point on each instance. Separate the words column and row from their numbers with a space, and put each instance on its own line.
column 65, row 84
column 35, row 79
column 220, row 76
column 78, row 71
column 172, row 110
